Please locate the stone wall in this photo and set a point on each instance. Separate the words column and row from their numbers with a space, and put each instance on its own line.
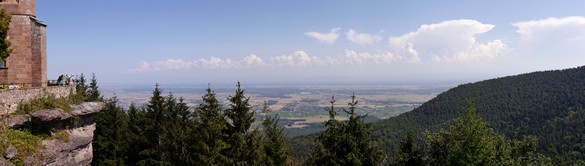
column 9, row 99
column 27, row 63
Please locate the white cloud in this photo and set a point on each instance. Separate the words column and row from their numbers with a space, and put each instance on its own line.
column 356, row 58
column 362, row 38
column 251, row 61
column 327, row 38
column 553, row 35
column 453, row 40
column 301, row 58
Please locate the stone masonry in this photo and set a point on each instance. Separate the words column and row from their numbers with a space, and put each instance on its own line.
column 27, row 65
column 9, row 99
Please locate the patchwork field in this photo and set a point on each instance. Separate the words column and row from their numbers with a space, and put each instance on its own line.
column 301, row 108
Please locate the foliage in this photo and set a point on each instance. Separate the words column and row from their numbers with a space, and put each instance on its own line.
column 26, row 144
column 347, row 142
column 469, row 141
column 240, row 117
column 211, row 125
column 111, row 135
column 567, row 137
column 410, row 153
column 93, row 93
column 275, row 146
column 513, row 106
column 62, row 135
column 4, row 42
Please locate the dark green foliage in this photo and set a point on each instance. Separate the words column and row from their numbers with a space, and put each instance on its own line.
column 93, row 92
column 4, row 43
column 111, row 135
column 410, row 153
column 137, row 119
column 210, row 136
column 152, row 153
column 513, row 106
column 275, row 145
column 469, row 141
column 567, row 135
column 347, row 142
column 240, row 116
column 80, row 89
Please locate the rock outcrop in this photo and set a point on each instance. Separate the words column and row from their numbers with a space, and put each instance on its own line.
column 78, row 124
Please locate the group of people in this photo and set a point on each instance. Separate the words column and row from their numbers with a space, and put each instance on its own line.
column 66, row 79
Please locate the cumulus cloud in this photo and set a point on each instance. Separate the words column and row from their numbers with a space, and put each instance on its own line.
column 327, row 38
column 250, row 61
column 453, row 40
column 362, row 38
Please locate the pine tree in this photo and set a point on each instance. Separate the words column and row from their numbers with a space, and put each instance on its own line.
column 93, row 92
column 5, row 49
column 210, row 133
column 275, row 146
column 346, row 143
column 111, row 135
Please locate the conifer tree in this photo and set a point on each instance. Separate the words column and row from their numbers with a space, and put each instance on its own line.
column 93, row 92
column 153, row 130
column 5, row 49
column 81, row 87
column 138, row 141
column 210, row 133
column 410, row 153
column 275, row 146
column 111, row 135
column 240, row 117
column 346, row 143
column 469, row 141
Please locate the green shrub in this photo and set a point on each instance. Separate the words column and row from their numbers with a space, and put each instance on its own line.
column 47, row 101
column 26, row 144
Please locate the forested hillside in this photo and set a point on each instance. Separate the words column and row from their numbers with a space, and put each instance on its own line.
column 535, row 104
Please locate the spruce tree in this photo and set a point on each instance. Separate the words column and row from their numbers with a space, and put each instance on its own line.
column 240, row 117
column 410, row 153
column 347, row 142
column 210, row 133
column 5, row 49
column 138, row 141
column 153, row 131
column 275, row 146
column 110, row 143
column 93, row 92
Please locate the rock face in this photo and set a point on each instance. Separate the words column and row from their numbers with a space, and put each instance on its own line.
column 78, row 125
column 77, row 150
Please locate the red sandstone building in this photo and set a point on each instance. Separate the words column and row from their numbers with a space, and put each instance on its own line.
column 27, row 64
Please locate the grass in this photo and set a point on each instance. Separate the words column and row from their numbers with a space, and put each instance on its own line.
column 26, row 144
column 49, row 101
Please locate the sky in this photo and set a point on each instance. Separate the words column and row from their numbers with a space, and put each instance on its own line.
column 307, row 41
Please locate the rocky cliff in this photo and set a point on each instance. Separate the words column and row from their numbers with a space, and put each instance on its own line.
column 68, row 135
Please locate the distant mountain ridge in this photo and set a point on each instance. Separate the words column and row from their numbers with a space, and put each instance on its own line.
column 514, row 106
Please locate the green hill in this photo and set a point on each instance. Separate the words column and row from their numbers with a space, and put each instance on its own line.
column 536, row 104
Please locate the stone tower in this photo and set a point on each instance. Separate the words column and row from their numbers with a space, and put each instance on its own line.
column 27, row 65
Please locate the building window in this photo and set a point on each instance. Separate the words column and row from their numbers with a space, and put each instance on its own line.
column 3, row 64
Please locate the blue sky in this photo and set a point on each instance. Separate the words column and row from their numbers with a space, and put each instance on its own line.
column 198, row 42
